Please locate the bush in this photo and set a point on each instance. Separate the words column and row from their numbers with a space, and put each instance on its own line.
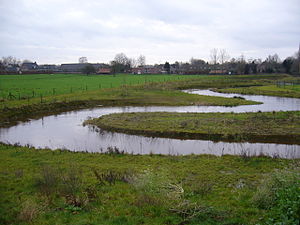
column 53, row 182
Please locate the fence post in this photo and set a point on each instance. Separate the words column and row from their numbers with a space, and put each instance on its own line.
column 41, row 98
column 53, row 91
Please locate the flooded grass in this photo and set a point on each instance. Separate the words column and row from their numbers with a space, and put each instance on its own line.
column 62, row 187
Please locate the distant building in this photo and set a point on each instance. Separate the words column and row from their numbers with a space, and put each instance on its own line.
column 29, row 66
column 148, row 69
column 78, row 67
column 49, row 68
column 218, row 72
column 104, row 71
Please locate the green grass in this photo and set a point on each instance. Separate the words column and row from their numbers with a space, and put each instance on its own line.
column 24, row 86
column 61, row 187
column 292, row 91
column 22, row 109
column 33, row 88
column 276, row 127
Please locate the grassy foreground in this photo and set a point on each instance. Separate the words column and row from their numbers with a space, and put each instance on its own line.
column 275, row 127
column 61, row 187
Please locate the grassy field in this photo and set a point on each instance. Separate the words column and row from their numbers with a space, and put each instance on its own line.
column 23, row 86
column 60, row 187
column 276, row 127
column 27, row 87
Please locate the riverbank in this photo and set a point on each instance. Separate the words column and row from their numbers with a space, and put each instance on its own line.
column 115, row 97
column 60, row 187
column 289, row 90
column 147, row 93
column 264, row 127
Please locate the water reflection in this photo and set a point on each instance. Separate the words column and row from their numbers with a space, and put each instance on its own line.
column 66, row 131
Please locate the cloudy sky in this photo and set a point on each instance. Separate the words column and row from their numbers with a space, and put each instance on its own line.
column 60, row 31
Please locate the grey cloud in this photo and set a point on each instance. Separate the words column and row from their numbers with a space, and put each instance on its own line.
column 58, row 26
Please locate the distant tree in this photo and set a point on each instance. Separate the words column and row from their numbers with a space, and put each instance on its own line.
column 214, row 56
column 141, row 60
column 241, row 64
column 83, row 60
column 272, row 64
column 88, row 69
column 223, row 56
column 253, row 66
column 2, row 67
column 297, row 62
column 115, row 67
column 121, row 58
column 177, row 65
column 247, row 68
column 287, row 64
column 26, row 61
column 167, row 67
column 133, row 62
column 197, row 62
column 10, row 60
column 121, row 63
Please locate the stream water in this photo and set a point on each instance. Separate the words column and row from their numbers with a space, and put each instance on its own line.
column 65, row 131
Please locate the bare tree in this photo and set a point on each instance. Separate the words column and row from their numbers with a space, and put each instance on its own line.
column 121, row 58
column 141, row 60
column 214, row 56
column 121, row 63
column 241, row 64
column 223, row 56
column 83, row 60
column 10, row 60
column 133, row 62
column 298, row 59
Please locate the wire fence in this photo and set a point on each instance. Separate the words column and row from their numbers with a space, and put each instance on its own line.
column 45, row 94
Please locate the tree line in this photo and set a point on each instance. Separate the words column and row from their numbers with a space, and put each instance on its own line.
column 220, row 62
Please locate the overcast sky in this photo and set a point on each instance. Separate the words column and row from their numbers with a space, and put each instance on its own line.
column 60, row 31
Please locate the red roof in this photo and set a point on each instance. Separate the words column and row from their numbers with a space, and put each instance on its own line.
column 104, row 70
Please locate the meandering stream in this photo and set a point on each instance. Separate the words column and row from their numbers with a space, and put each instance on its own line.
column 66, row 131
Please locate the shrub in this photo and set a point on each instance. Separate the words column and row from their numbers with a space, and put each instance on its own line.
column 48, row 181
column 111, row 177
column 68, row 184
